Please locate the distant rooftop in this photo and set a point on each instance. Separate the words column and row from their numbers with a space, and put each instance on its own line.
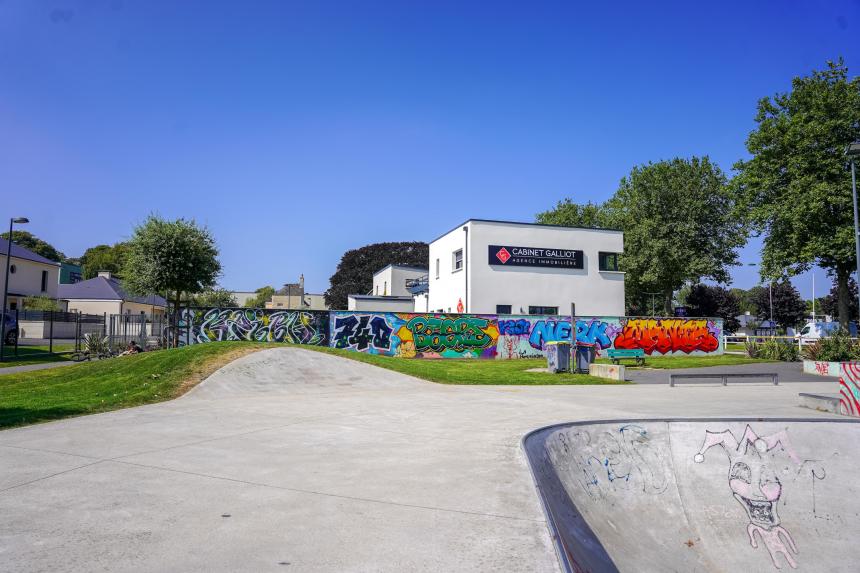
column 19, row 252
column 103, row 288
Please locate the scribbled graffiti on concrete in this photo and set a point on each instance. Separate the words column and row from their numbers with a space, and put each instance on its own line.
column 608, row 460
column 258, row 325
column 362, row 332
column 849, row 389
column 754, row 480
column 669, row 335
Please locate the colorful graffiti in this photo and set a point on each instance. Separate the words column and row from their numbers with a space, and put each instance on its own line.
column 669, row 335
column 849, row 389
column 427, row 335
column 257, row 325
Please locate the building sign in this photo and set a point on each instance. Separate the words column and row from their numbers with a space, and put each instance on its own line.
column 535, row 257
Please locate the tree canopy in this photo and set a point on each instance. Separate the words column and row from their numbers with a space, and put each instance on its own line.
column 104, row 258
column 678, row 223
column 354, row 274
column 708, row 300
column 789, row 308
column 171, row 257
column 33, row 243
column 795, row 189
column 215, row 297
column 262, row 296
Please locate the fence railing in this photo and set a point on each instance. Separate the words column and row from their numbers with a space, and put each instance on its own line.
column 800, row 341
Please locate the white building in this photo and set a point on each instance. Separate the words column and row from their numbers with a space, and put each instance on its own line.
column 502, row 267
column 372, row 303
column 395, row 280
column 29, row 275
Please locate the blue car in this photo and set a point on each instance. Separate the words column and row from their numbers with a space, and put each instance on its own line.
column 10, row 330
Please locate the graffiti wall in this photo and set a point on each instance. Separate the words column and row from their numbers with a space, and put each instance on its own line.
column 849, row 389
column 411, row 335
column 258, row 325
column 516, row 336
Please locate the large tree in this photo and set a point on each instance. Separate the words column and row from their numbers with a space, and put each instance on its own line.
column 104, row 258
column 171, row 257
column 830, row 304
column 216, row 298
column 261, row 297
column 354, row 274
column 33, row 243
column 789, row 308
column 714, row 301
column 678, row 227
column 796, row 189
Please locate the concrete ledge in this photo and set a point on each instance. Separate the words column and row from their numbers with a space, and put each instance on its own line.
column 820, row 402
column 610, row 371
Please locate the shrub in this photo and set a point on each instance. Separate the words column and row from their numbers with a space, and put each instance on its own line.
column 774, row 349
column 812, row 351
column 838, row 348
column 752, row 348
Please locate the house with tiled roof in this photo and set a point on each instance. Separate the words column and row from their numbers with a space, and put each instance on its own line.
column 104, row 294
column 29, row 274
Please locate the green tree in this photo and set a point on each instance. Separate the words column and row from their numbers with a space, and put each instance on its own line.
column 40, row 303
column 171, row 257
column 796, row 189
column 678, row 227
column 354, row 274
column 262, row 296
column 216, row 298
column 708, row 300
column 830, row 304
column 789, row 308
column 33, row 243
column 104, row 258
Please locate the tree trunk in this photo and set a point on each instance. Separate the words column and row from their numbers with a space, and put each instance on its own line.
column 667, row 303
column 843, row 296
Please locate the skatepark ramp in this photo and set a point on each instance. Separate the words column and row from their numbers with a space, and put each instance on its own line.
column 701, row 494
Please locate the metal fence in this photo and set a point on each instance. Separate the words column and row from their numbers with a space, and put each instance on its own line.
column 150, row 332
column 37, row 333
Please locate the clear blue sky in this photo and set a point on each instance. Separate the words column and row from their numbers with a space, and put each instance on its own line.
column 298, row 130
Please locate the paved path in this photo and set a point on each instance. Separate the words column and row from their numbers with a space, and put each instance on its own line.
column 787, row 371
column 293, row 460
column 29, row 367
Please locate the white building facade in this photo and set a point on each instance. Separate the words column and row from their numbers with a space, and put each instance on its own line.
column 394, row 280
column 503, row 267
column 30, row 274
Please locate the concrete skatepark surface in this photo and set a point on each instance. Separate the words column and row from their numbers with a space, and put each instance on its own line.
column 701, row 495
column 294, row 460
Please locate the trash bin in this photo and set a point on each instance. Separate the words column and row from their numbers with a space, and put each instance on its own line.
column 584, row 357
column 557, row 356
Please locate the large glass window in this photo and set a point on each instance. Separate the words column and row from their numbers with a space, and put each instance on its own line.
column 44, row 281
column 608, row 261
column 458, row 260
column 503, row 309
column 543, row 310
column 437, row 268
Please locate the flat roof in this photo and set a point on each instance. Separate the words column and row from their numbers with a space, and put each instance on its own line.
column 377, row 297
column 404, row 267
column 525, row 224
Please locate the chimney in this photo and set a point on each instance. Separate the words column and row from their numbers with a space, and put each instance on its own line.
column 105, row 275
column 302, row 282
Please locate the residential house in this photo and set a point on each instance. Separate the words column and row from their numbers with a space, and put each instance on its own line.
column 29, row 275
column 104, row 295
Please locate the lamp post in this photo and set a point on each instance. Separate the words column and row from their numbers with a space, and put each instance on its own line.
column 12, row 221
column 853, row 152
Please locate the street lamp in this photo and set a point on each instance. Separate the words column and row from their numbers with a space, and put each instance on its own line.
column 12, row 221
column 853, row 152
column 769, row 294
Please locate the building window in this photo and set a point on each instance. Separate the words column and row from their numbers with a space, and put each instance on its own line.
column 13, row 268
column 458, row 260
column 385, row 288
column 44, row 281
column 543, row 310
column 377, row 290
column 607, row 261
column 503, row 309
column 437, row 268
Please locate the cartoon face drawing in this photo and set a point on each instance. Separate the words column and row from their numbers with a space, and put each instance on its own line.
column 756, row 486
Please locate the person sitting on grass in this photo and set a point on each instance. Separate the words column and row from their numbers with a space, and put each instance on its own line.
column 133, row 348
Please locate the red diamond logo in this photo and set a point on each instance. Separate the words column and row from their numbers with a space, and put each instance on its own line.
column 503, row 255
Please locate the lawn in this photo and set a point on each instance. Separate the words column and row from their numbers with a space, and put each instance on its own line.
column 672, row 362
column 466, row 371
column 34, row 355
column 90, row 387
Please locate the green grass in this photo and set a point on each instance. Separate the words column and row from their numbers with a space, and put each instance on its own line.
column 90, row 387
column 505, row 372
column 672, row 362
column 35, row 355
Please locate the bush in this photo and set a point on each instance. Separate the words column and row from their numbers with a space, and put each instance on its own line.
column 752, row 348
column 40, row 303
column 774, row 349
column 838, row 348
column 812, row 351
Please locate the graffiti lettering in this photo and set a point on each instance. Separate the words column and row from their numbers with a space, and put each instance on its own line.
column 516, row 327
column 361, row 331
column 438, row 334
column 258, row 325
column 668, row 335
column 548, row 331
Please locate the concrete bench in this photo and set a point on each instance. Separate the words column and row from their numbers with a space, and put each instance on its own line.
column 608, row 371
column 725, row 377
column 616, row 355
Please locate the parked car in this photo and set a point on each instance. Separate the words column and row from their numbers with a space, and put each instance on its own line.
column 814, row 331
column 10, row 330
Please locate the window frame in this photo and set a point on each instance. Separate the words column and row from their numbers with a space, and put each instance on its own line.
column 499, row 308
column 44, row 281
column 603, row 258
column 543, row 309
column 454, row 267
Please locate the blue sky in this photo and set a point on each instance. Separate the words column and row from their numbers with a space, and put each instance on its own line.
column 298, row 130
